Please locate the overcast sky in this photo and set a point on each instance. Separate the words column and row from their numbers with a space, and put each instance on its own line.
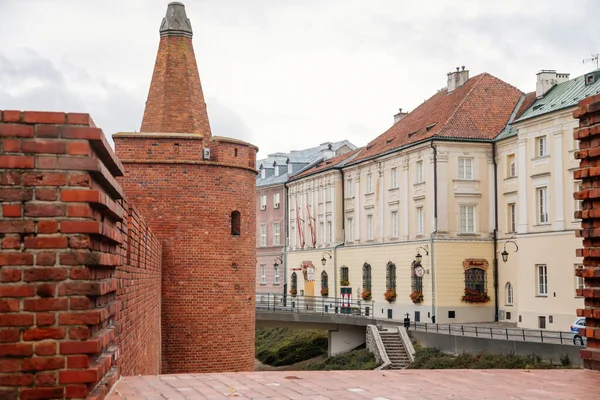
column 283, row 74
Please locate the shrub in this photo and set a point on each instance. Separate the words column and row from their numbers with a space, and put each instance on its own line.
column 360, row 359
column 284, row 346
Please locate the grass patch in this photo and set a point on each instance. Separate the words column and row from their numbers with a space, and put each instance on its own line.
column 353, row 360
column 430, row 358
column 284, row 346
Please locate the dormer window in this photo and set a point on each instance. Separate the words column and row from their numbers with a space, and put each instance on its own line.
column 590, row 78
column 263, row 173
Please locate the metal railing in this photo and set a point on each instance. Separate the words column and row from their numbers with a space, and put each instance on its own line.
column 518, row 334
column 277, row 302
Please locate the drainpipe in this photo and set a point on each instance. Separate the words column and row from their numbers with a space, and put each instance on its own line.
column 495, row 231
column 434, row 232
column 286, row 242
column 335, row 280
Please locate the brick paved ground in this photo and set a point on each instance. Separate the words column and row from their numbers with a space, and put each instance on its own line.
column 375, row 385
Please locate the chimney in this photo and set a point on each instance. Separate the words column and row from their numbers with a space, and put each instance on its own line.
column 400, row 115
column 175, row 101
column 328, row 152
column 546, row 79
column 457, row 79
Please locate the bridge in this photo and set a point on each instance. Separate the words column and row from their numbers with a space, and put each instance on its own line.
column 345, row 319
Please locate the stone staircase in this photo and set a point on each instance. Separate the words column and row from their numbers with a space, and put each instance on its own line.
column 394, row 347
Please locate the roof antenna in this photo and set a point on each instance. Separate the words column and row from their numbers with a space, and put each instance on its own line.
column 593, row 59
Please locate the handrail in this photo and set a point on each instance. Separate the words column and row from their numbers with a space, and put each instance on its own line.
column 273, row 302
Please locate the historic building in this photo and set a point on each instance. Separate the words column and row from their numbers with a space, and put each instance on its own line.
column 536, row 207
column 271, row 203
column 197, row 192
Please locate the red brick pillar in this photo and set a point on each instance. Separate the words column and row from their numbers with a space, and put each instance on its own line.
column 588, row 135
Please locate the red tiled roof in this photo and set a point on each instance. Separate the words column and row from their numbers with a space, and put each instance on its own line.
column 327, row 164
column 527, row 102
column 479, row 109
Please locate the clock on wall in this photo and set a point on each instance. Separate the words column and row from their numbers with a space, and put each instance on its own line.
column 419, row 271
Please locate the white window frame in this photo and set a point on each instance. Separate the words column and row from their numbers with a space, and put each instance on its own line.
column 321, row 232
column 276, row 234
column 263, row 274
column 541, row 146
column 512, row 217
column 511, row 165
column 465, row 168
column 276, row 274
column 263, row 201
column 394, row 178
column 329, row 232
column 541, row 199
column 369, row 183
column 472, row 219
column 394, row 224
column 420, row 221
column 275, row 200
column 350, row 229
column 419, row 172
column 370, row 227
column 263, row 235
column 578, row 205
column 579, row 281
column 509, row 300
column 541, row 276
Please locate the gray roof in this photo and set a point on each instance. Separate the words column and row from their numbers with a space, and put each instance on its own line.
column 563, row 95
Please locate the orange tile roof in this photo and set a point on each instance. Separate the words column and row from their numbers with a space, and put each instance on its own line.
column 479, row 109
column 327, row 164
column 530, row 98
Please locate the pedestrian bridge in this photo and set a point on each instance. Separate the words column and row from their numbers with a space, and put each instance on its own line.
column 345, row 319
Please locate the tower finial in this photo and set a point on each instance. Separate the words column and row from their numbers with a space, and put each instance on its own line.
column 176, row 22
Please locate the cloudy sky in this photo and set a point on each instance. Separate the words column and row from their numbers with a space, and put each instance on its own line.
column 283, row 74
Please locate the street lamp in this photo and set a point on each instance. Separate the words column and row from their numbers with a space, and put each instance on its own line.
column 419, row 257
column 323, row 259
column 504, row 253
column 275, row 263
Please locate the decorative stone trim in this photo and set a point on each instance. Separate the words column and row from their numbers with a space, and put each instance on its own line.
column 410, row 349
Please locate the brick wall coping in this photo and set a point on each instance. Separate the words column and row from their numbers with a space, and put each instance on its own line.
column 158, row 135
column 232, row 140
column 189, row 162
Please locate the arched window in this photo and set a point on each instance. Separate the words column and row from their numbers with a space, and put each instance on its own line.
column 509, row 294
column 366, row 277
column 236, row 223
column 344, row 276
column 324, row 284
column 475, row 280
column 390, row 276
column 416, row 284
column 294, row 289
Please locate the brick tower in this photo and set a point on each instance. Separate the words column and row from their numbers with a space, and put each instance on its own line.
column 197, row 192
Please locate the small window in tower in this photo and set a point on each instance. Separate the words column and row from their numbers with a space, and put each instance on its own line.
column 236, row 222
column 235, row 152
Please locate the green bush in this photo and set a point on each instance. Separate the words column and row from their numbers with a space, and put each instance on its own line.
column 430, row 358
column 354, row 360
column 284, row 346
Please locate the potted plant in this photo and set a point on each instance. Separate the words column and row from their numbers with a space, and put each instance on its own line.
column 390, row 295
column 416, row 297
column 324, row 292
column 475, row 296
column 345, row 282
column 366, row 295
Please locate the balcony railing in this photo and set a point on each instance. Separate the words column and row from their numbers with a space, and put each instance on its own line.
column 277, row 302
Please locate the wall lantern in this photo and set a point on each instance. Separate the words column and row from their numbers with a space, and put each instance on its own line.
column 419, row 257
column 323, row 259
column 505, row 253
column 276, row 263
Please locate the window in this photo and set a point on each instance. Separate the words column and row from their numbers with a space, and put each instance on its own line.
column 236, row 223
column 578, row 203
column 540, row 146
column 276, row 234
column 276, row 200
column 350, row 229
column 465, row 168
column 369, row 183
column 509, row 294
column 395, row 224
column 330, row 193
column 420, row 221
column 323, row 194
column 542, row 280
column 394, row 178
column 344, row 276
column 263, row 202
column 370, row 227
column 475, row 280
column 542, row 205
column 467, row 219
column 511, row 166
column 324, row 284
column 542, row 322
column 512, row 217
column 416, row 284
column 329, row 232
column 579, row 281
column 294, row 288
column 276, row 274
column 390, row 276
column 349, row 189
column 322, row 231
column 366, row 277
column 263, row 235
column 419, row 176
column 263, row 274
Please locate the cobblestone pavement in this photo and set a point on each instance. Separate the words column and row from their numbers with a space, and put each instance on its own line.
column 374, row 385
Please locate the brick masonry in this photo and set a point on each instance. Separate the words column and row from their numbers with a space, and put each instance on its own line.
column 588, row 134
column 80, row 271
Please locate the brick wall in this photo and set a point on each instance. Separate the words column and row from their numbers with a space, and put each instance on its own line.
column 208, row 273
column 588, row 135
column 79, row 269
